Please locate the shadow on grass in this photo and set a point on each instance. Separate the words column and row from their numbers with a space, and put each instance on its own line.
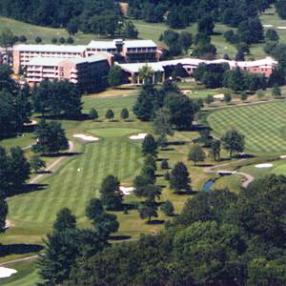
column 29, row 188
column 119, row 237
column 61, row 154
column 19, row 249
column 155, row 222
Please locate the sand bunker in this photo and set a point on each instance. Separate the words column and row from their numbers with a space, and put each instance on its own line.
column 139, row 136
column 6, row 272
column 283, row 157
column 219, row 96
column 281, row 27
column 265, row 165
column 86, row 138
column 267, row 26
column 127, row 190
column 32, row 123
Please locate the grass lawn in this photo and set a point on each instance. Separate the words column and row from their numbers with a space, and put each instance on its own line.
column 264, row 126
column 26, row 275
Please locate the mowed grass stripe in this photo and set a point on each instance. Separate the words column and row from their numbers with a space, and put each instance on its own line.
column 72, row 189
column 261, row 124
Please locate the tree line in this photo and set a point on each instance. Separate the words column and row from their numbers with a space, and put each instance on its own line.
column 102, row 17
column 182, row 13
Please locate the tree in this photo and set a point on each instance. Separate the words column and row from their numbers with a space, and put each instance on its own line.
column 72, row 27
column 227, row 98
column 243, row 96
column 19, row 166
column 148, row 210
column 149, row 146
column 104, row 223
column 61, row 251
column 93, row 114
column 38, row 40
column 65, row 220
column 70, row 40
column 51, row 138
column 167, row 208
column 196, row 154
column 130, row 30
column 179, row 178
column 271, row 35
column 37, row 164
column 164, row 164
column 162, row 124
column 115, row 76
column 94, row 210
column 109, row 114
column 206, row 26
column 186, row 40
column 3, row 211
column 124, row 114
column 110, row 194
column 276, row 91
column 260, row 94
column 182, row 110
column 7, row 38
column 145, row 74
column 215, row 149
column 209, row 99
column 58, row 99
column 62, row 40
column 233, row 141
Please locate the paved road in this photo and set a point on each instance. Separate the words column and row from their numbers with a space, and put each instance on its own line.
column 218, row 169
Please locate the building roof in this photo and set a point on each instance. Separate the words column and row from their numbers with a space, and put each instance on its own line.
column 135, row 68
column 140, row 44
column 127, row 44
column 46, row 61
column 50, row 48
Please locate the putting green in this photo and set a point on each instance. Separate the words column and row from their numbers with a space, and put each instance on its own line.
column 264, row 126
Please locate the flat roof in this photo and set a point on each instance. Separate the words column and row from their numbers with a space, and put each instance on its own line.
column 127, row 44
column 135, row 68
column 47, row 61
column 50, row 48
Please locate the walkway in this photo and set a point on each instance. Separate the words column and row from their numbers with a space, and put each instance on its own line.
column 213, row 170
column 52, row 166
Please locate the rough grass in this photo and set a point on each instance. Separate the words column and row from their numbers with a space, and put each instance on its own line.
column 263, row 125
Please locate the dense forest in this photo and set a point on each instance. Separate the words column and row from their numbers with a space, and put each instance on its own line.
column 181, row 13
column 100, row 17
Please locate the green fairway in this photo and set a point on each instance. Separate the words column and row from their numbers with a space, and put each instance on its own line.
column 264, row 126
column 78, row 180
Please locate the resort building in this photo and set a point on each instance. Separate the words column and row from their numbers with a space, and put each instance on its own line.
column 87, row 73
column 127, row 51
column 23, row 54
column 123, row 51
column 264, row 66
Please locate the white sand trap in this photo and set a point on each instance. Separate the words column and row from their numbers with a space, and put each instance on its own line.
column 139, row 136
column 32, row 123
column 219, row 96
column 283, row 157
column 6, row 272
column 86, row 138
column 127, row 190
column 264, row 165
column 267, row 26
column 281, row 27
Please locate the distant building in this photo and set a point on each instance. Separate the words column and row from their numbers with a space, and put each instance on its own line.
column 87, row 73
column 123, row 51
column 129, row 50
column 23, row 54
column 264, row 66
